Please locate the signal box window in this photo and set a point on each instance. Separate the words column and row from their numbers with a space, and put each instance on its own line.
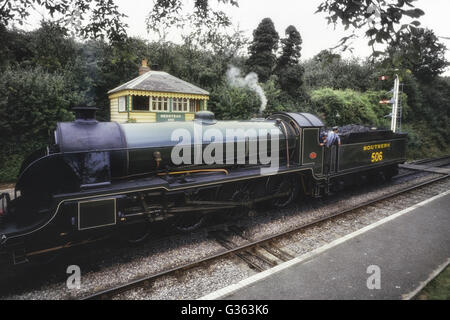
column 160, row 104
column 141, row 103
column 180, row 104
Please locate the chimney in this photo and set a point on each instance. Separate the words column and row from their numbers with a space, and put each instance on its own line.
column 144, row 67
column 85, row 115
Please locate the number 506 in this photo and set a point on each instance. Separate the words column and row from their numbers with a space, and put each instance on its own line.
column 377, row 156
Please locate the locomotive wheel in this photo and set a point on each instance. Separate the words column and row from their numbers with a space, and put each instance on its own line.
column 137, row 233
column 190, row 221
column 236, row 193
column 241, row 194
column 280, row 185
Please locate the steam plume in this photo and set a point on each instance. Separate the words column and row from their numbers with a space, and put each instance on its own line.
column 250, row 81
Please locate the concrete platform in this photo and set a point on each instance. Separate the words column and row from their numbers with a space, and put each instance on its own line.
column 406, row 250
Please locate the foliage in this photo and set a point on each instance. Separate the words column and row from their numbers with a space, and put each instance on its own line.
column 423, row 142
column 229, row 102
column 32, row 102
column 116, row 63
column 262, row 50
column 435, row 109
column 50, row 47
column 377, row 18
column 341, row 107
column 13, row 154
column 166, row 13
column 104, row 16
column 279, row 100
column 419, row 51
column 202, row 25
column 291, row 48
column 288, row 69
column 291, row 79
column 327, row 70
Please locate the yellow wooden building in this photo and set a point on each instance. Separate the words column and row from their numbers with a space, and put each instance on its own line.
column 156, row 96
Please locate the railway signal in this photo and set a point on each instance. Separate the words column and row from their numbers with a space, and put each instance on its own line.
column 395, row 104
column 387, row 101
column 393, row 101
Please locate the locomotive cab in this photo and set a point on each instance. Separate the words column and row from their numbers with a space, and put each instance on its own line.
column 307, row 129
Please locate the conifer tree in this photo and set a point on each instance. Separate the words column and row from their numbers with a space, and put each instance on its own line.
column 288, row 70
column 291, row 47
column 262, row 50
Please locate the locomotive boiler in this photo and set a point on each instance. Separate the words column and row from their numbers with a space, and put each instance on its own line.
column 98, row 179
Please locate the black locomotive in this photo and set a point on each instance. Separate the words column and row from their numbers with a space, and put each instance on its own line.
column 103, row 178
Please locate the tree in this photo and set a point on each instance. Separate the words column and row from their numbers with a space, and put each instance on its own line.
column 229, row 102
column 118, row 63
column 52, row 47
column 419, row 51
column 34, row 101
column 167, row 13
column 15, row 46
column 290, row 73
column 326, row 57
column 342, row 107
column 377, row 17
column 291, row 48
column 262, row 50
column 328, row 70
column 104, row 16
column 291, row 79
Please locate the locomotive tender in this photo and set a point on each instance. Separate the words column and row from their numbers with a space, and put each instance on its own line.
column 104, row 178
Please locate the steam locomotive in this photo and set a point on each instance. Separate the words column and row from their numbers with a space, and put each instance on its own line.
column 98, row 179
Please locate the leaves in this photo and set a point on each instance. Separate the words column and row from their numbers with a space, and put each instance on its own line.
column 419, row 51
column 352, row 107
column 204, row 20
column 376, row 17
column 416, row 13
column 105, row 19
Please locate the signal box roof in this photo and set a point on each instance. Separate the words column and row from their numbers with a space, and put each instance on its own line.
column 160, row 81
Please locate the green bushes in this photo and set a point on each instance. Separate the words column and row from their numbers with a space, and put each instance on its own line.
column 341, row 107
column 229, row 103
column 12, row 155
column 31, row 102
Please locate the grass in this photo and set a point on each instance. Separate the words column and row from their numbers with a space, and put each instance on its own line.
column 438, row 288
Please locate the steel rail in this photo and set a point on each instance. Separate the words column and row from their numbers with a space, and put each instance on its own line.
column 109, row 293
column 422, row 162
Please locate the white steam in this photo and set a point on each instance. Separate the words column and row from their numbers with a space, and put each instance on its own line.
column 250, row 81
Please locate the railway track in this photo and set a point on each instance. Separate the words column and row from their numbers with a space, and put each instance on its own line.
column 430, row 160
column 429, row 163
column 263, row 253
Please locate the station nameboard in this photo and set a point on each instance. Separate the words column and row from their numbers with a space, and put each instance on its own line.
column 161, row 117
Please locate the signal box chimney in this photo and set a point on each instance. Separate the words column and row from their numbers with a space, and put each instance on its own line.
column 144, row 67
